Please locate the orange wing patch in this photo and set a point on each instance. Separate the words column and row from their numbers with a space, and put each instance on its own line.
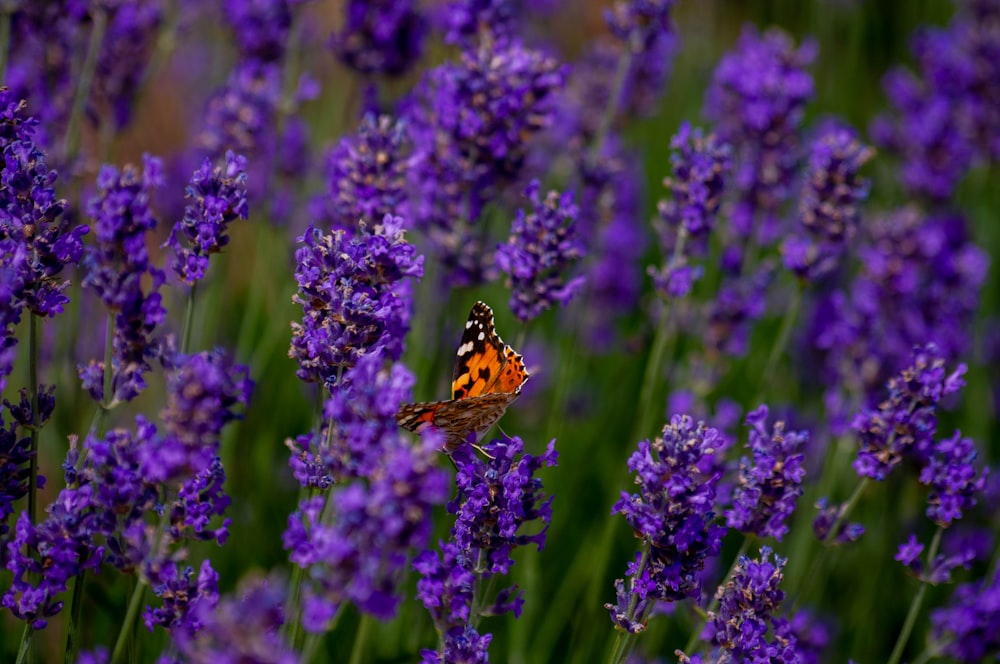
column 488, row 378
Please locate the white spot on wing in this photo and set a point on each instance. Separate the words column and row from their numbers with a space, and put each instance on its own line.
column 482, row 335
column 468, row 324
column 465, row 348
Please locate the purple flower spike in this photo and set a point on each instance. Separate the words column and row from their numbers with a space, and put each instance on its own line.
column 241, row 628
column 748, row 604
column 969, row 627
column 905, row 423
column 472, row 124
column 380, row 36
column 673, row 513
column 217, row 197
column 954, row 481
column 446, row 585
column 699, row 166
column 261, row 28
column 355, row 297
column 827, row 517
column 770, row 482
column 366, row 175
column 35, row 242
column 496, row 498
column 542, row 247
column 116, row 267
column 461, row 644
column 829, row 207
column 757, row 99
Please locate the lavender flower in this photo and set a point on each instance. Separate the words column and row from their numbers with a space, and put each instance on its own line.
column 366, row 175
column 830, row 515
column 673, row 515
column 770, row 483
column 380, row 37
column 382, row 501
column 446, row 585
column 35, row 242
column 919, row 283
column 240, row 628
column 952, row 476
column 944, row 118
column 361, row 555
column 757, row 99
column 495, row 499
column 461, row 644
column 830, row 202
column 218, row 196
column 239, row 116
column 472, row 123
column 969, row 627
column 261, row 28
column 543, row 245
column 354, row 295
column 748, row 604
column 182, row 594
column 699, row 166
column 905, row 423
column 646, row 33
column 128, row 44
column 936, row 571
column 610, row 210
column 116, row 267
column 15, row 453
column 468, row 22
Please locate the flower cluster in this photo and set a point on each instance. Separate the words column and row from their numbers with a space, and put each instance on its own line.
column 240, row 115
column 673, row 514
column 36, row 241
column 945, row 118
column 771, row 482
column 15, row 453
column 831, row 516
column 936, row 571
column 496, row 498
column 129, row 42
column 906, row 422
column 380, row 37
column 919, row 283
column 951, row 473
column 469, row 21
column 355, row 297
column 240, row 628
column 542, row 246
column 969, row 627
column 365, row 175
column 645, row 34
column 829, row 207
column 218, row 196
column 748, row 605
column 261, row 28
column 360, row 556
column 116, row 267
column 472, row 123
column 757, row 99
column 699, row 166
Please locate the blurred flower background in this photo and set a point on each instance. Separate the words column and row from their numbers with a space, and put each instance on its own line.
column 745, row 248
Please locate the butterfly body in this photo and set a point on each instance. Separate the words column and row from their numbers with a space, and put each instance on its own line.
column 488, row 378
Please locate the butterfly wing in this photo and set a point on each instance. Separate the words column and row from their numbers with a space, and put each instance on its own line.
column 481, row 356
column 458, row 419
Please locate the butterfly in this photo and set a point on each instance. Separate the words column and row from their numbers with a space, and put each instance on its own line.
column 488, row 377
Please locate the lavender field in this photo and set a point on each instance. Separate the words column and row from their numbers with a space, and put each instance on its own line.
column 496, row 330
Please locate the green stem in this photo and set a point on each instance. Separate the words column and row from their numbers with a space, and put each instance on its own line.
column 25, row 647
column 787, row 323
column 188, row 319
column 624, row 640
column 125, row 633
column 5, row 11
column 848, row 507
column 73, row 630
column 109, row 376
column 71, row 141
column 33, row 323
column 654, row 367
column 611, row 111
column 911, row 616
column 361, row 639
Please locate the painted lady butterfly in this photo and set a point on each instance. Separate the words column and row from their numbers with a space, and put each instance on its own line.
column 488, row 377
